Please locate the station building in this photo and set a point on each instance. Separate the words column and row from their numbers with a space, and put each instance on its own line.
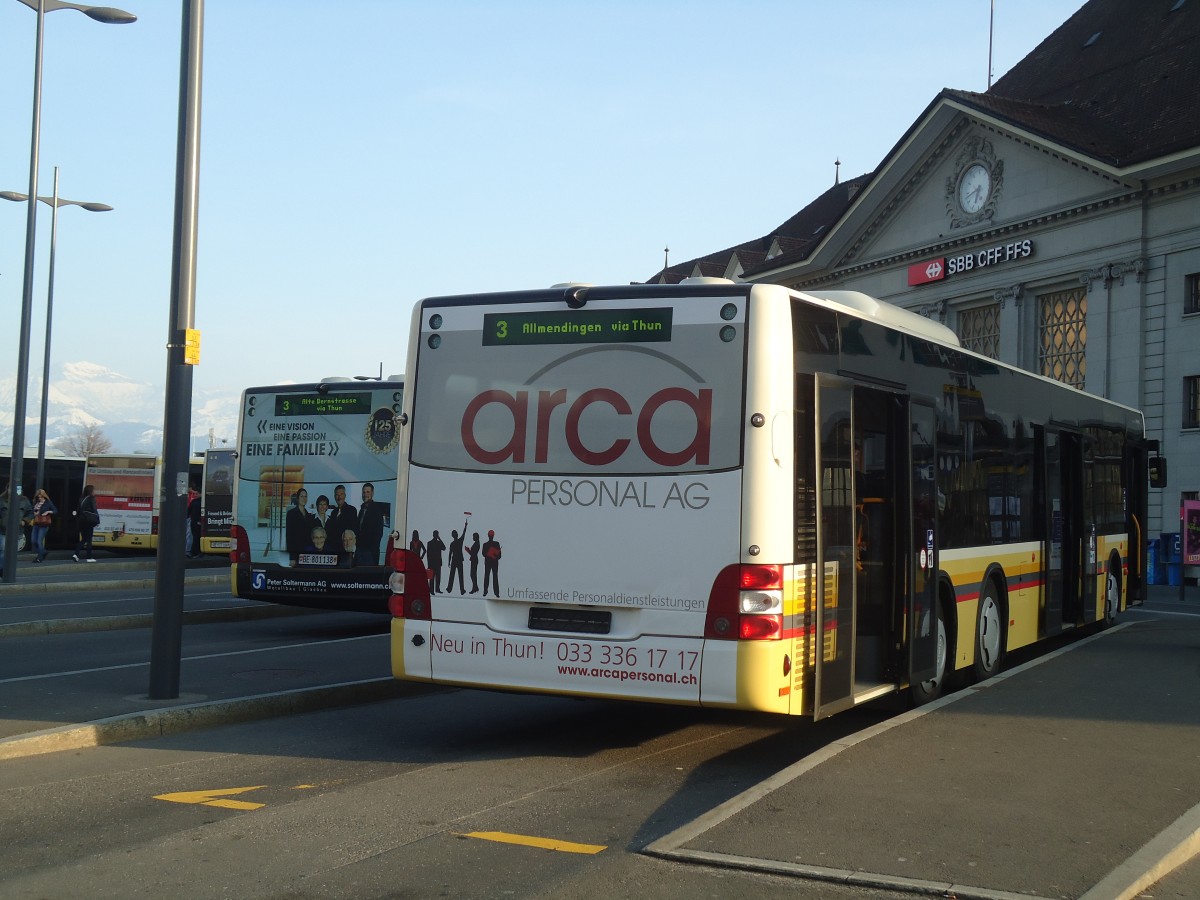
column 1053, row 222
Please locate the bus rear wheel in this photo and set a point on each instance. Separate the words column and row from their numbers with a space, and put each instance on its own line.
column 989, row 633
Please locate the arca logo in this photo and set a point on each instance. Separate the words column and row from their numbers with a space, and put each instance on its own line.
column 605, row 402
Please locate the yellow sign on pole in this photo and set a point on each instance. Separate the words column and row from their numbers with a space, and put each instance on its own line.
column 191, row 346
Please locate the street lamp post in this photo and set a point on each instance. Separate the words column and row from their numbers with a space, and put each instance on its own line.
column 55, row 202
column 108, row 15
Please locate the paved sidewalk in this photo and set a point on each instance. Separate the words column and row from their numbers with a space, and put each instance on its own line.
column 1083, row 765
column 59, row 572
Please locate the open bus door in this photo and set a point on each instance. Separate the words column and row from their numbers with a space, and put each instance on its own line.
column 833, row 685
column 1070, row 549
column 865, row 533
column 921, row 610
column 1057, row 530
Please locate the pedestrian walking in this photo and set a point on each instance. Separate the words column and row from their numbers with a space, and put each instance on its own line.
column 193, row 516
column 89, row 518
column 44, row 512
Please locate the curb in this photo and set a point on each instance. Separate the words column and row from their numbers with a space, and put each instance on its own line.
column 191, row 716
column 116, row 584
column 1175, row 845
column 146, row 620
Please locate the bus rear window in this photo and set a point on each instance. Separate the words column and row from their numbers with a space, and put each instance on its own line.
column 620, row 387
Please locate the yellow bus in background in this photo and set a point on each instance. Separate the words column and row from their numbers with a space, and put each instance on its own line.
column 127, row 490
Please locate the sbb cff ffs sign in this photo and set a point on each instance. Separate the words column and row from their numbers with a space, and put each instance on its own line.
column 944, row 267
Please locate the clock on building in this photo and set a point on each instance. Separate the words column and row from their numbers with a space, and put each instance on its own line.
column 974, row 188
column 974, row 183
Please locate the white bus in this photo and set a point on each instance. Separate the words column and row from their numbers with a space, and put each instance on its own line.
column 740, row 496
column 314, row 493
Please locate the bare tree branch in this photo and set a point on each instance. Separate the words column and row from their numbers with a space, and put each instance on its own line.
column 84, row 440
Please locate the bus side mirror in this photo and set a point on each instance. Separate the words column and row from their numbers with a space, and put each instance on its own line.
column 1158, row 472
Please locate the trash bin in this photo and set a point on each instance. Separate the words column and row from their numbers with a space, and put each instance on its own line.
column 1172, row 551
column 1154, row 570
column 1171, row 557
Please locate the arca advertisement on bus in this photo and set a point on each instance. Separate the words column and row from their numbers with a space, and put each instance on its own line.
column 574, row 490
column 314, row 493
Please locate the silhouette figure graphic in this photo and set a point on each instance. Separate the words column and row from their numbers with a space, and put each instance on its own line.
column 456, row 560
column 491, row 565
column 473, row 553
column 433, row 557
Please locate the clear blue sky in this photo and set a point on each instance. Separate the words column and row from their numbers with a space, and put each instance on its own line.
column 361, row 154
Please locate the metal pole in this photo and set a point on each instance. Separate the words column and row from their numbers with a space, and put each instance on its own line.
column 991, row 31
column 167, row 631
column 1182, row 545
column 17, row 457
column 41, row 459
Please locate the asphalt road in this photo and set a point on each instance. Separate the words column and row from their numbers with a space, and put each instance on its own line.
column 430, row 792
column 444, row 794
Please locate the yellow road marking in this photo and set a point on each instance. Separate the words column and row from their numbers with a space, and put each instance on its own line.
column 530, row 841
column 213, row 798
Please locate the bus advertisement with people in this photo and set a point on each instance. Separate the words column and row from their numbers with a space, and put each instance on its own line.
column 127, row 495
column 741, row 496
column 314, row 493
column 216, row 500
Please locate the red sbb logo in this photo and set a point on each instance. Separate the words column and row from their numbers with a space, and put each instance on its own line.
column 925, row 272
column 544, row 420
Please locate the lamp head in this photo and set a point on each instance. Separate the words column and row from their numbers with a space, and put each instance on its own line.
column 109, row 15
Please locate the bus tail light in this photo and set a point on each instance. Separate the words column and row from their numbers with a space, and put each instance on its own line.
column 409, row 586
column 746, row 604
column 239, row 546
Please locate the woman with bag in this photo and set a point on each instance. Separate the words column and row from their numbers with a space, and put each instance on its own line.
column 89, row 518
column 44, row 511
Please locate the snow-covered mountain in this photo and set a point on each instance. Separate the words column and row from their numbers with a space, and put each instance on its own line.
column 130, row 413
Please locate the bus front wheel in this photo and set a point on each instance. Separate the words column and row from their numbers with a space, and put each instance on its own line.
column 989, row 633
column 928, row 691
column 1112, row 596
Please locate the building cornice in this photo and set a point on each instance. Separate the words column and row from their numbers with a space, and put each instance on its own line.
column 946, row 246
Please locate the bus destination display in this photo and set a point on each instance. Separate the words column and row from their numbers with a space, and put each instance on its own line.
column 323, row 404
column 602, row 326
